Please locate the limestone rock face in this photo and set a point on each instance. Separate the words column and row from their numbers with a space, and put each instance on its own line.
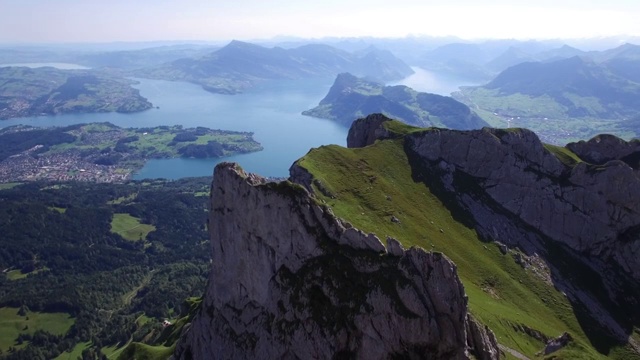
column 367, row 130
column 593, row 209
column 291, row 281
column 603, row 148
column 581, row 221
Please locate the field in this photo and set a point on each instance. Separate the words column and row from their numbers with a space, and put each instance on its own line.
column 9, row 185
column 12, row 324
column 17, row 274
column 130, row 227
column 368, row 186
column 145, row 352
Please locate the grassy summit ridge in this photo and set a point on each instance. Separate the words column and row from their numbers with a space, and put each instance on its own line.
column 368, row 186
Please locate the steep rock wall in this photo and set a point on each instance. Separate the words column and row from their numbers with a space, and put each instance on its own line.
column 289, row 280
column 593, row 209
column 579, row 221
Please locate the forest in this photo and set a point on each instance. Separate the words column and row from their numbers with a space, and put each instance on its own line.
column 114, row 260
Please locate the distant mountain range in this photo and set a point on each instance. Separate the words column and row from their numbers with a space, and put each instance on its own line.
column 351, row 97
column 483, row 61
column 240, row 65
column 602, row 87
column 140, row 58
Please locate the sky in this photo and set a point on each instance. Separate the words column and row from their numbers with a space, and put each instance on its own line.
column 64, row 21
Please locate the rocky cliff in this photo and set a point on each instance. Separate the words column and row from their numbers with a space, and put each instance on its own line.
column 578, row 212
column 290, row 280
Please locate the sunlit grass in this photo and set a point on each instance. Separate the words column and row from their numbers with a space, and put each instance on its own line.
column 130, row 227
column 12, row 324
column 368, row 186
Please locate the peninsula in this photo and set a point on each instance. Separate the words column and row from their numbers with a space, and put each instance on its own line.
column 28, row 92
column 103, row 152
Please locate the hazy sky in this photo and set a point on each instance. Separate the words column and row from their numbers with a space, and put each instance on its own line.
column 144, row 20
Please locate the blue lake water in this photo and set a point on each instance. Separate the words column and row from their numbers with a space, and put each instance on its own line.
column 271, row 111
column 428, row 81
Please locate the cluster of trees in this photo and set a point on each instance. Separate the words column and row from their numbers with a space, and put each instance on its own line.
column 211, row 149
column 14, row 142
column 61, row 235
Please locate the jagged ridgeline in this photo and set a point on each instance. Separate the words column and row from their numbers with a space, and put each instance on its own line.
column 544, row 241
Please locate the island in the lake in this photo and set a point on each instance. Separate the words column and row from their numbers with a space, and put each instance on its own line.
column 103, row 152
column 47, row 91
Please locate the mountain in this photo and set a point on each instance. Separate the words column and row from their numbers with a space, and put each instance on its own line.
column 297, row 282
column 544, row 244
column 624, row 51
column 574, row 75
column 481, row 61
column 350, row 98
column 563, row 52
column 239, row 66
column 512, row 56
column 560, row 97
column 458, row 59
column 623, row 61
column 139, row 58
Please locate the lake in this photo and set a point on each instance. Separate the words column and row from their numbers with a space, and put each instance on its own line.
column 428, row 81
column 272, row 111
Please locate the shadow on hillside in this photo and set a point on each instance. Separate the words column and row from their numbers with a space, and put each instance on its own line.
column 569, row 271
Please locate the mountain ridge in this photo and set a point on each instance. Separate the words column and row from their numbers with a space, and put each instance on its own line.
column 351, row 97
column 518, row 217
column 290, row 301
column 240, row 65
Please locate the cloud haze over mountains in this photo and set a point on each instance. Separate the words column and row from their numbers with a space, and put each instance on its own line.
column 119, row 20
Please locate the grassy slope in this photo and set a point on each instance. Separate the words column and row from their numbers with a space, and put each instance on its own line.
column 12, row 324
column 75, row 353
column 129, row 227
column 166, row 341
column 141, row 351
column 369, row 185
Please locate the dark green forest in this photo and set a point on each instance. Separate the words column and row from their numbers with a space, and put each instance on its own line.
column 58, row 239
